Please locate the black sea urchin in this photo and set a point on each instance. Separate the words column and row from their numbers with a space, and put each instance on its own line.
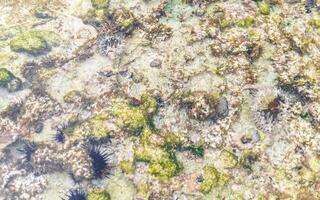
column 59, row 136
column 27, row 150
column 75, row 194
column 100, row 161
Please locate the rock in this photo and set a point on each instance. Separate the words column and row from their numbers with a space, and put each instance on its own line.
column 222, row 108
column 14, row 85
column 38, row 127
column 34, row 42
column 9, row 81
column 156, row 63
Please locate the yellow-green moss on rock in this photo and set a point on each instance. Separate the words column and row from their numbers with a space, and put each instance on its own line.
column 9, row 81
column 127, row 166
column 93, row 127
column 164, row 168
column 264, row 8
column 135, row 118
column 213, row 178
column 99, row 195
column 229, row 159
column 132, row 119
column 162, row 163
column 100, row 4
column 245, row 22
column 34, row 42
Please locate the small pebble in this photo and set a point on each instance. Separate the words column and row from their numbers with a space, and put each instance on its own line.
column 156, row 63
column 38, row 127
column 222, row 108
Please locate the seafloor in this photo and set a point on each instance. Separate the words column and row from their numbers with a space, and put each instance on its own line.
column 159, row 100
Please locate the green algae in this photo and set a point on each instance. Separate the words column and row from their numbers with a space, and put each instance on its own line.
column 135, row 118
column 164, row 168
column 93, row 127
column 264, row 8
column 229, row 159
column 132, row 119
column 127, row 166
column 245, row 22
column 212, row 178
column 34, row 42
column 100, row 4
column 197, row 150
column 9, row 81
column 99, row 195
column 162, row 162
column 5, row 76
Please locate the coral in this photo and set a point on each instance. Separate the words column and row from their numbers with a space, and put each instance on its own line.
column 124, row 19
column 34, row 42
column 98, row 195
column 9, row 81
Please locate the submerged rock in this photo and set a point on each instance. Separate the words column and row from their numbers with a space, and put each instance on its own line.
column 9, row 81
column 34, row 42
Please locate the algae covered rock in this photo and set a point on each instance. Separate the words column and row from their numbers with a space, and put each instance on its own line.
column 9, row 81
column 95, row 127
column 99, row 195
column 264, row 8
column 100, row 4
column 135, row 118
column 162, row 161
column 127, row 166
column 34, row 42
column 211, row 178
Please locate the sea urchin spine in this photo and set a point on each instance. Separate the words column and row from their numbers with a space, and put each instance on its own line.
column 75, row 194
column 27, row 150
column 100, row 161
column 59, row 136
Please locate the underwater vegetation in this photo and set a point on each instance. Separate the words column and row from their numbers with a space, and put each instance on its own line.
column 168, row 99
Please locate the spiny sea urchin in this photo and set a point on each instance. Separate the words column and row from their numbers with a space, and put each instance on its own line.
column 27, row 150
column 59, row 136
column 75, row 194
column 100, row 161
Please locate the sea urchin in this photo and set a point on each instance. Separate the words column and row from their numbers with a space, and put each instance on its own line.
column 75, row 194
column 100, row 161
column 27, row 150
